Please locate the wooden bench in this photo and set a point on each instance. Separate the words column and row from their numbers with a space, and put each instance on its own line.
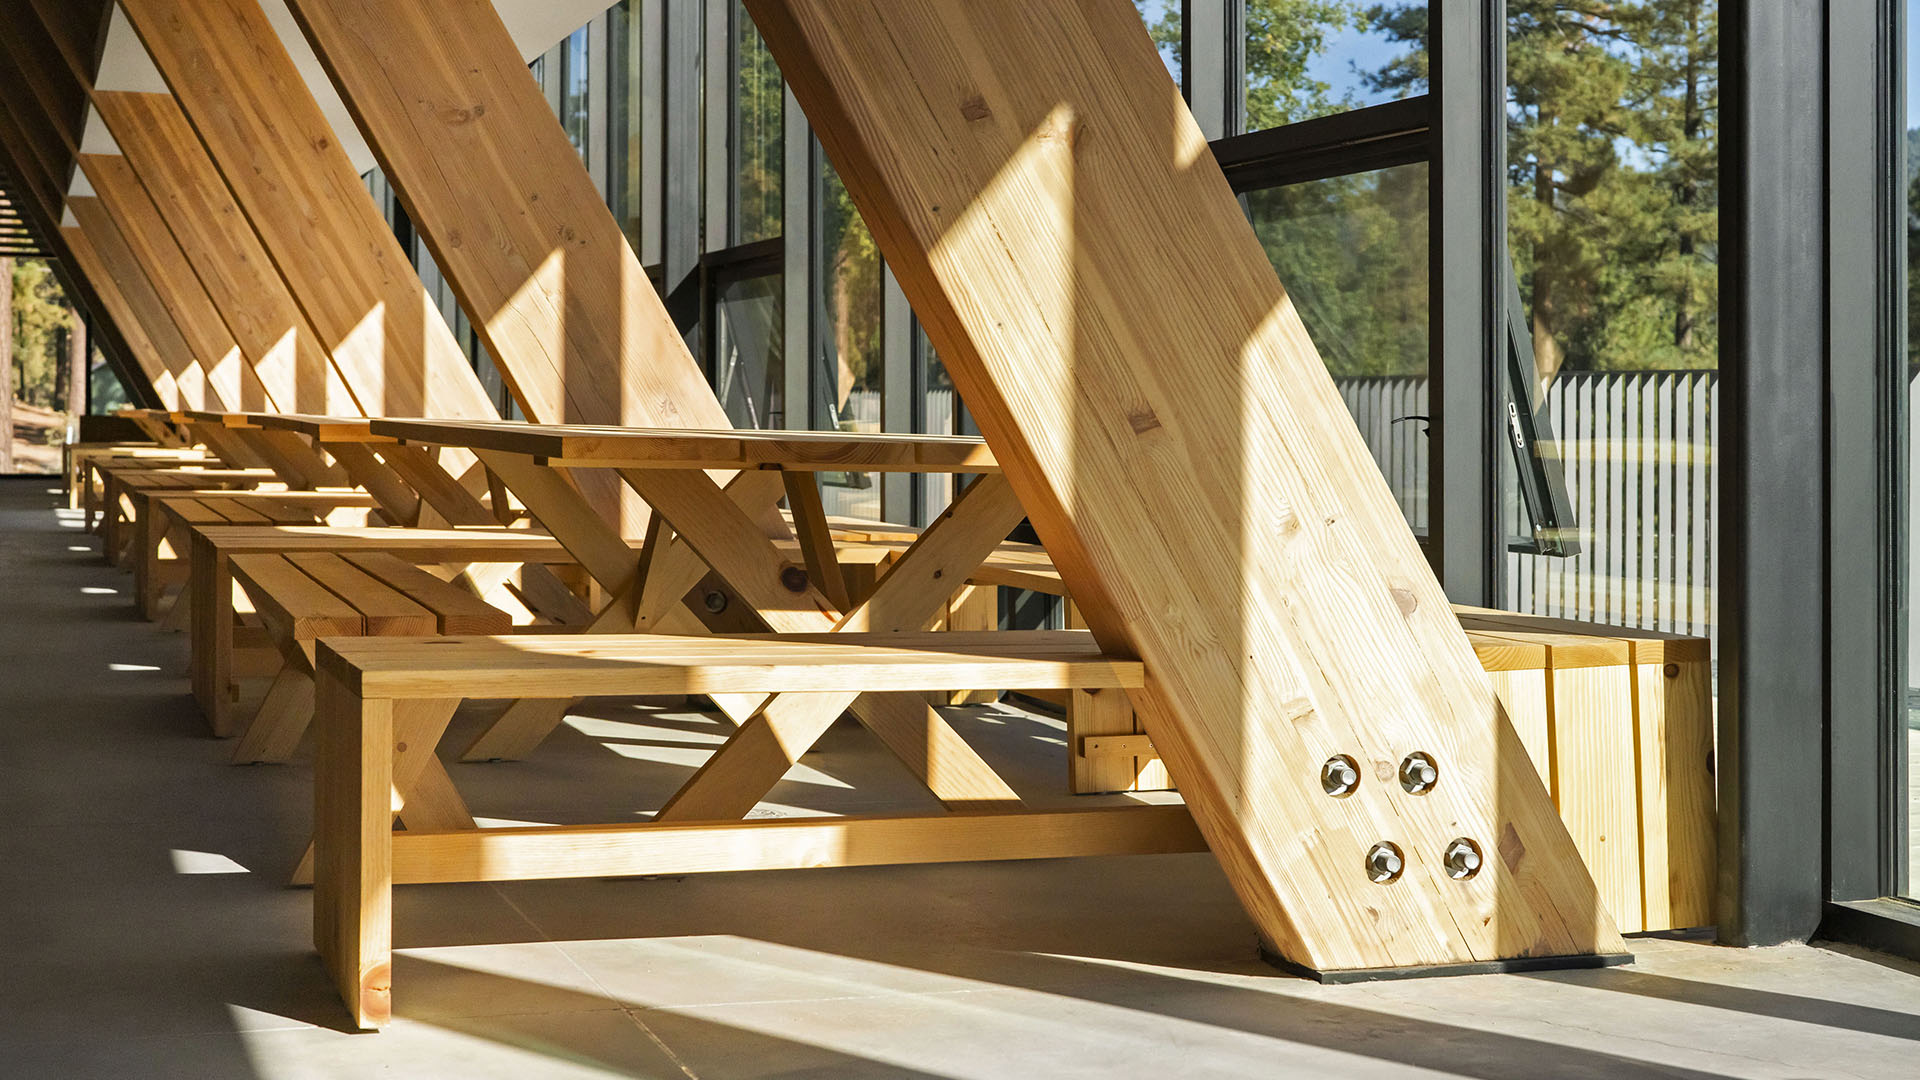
column 160, row 539
column 304, row 596
column 124, row 491
column 384, row 705
column 220, row 646
column 1618, row 722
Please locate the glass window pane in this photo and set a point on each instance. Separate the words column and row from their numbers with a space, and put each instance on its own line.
column 937, row 410
column 1613, row 233
column 1308, row 58
column 1913, row 437
column 749, row 364
column 1352, row 252
column 849, row 374
column 574, row 97
column 106, row 394
column 757, row 144
column 623, row 119
column 1165, row 25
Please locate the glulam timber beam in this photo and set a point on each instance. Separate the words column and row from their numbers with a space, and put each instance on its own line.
column 230, row 373
column 118, row 265
column 114, row 307
column 225, row 253
column 511, row 216
column 1051, row 210
column 263, row 131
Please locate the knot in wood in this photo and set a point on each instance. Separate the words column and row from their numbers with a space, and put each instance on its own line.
column 975, row 108
column 794, row 579
column 1404, row 599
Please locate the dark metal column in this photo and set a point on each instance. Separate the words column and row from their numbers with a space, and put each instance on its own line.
column 1772, row 458
column 1468, row 193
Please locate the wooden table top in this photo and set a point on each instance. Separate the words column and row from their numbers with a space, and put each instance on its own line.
column 324, row 428
column 586, row 446
column 224, row 419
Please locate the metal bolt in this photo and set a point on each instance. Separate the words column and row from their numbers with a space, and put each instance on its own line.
column 716, row 601
column 1462, row 859
column 1384, row 863
column 1418, row 773
column 794, row 578
column 1339, row 776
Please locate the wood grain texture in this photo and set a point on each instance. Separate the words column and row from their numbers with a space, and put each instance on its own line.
column 353, row 829
column 143, row 350
column 676, row 448
column 224, row 251
column 262, row 129
column 129, row 277
column 456, row 611
column 229, row 373
column 511, row 216
column 575, row 665
column 1675, row 733
column 1051, row 211
column 614, row 850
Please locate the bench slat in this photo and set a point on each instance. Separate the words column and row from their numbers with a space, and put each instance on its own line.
column 241, row 514
column 385, row 609
column 284, row 593
column 457, row 610
column 574, row 665
column 193, row 511
column 429, row 545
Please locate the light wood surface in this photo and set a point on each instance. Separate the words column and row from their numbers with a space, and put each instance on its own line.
column 229, row 371
column 237, row 86
column 224, row 251
column 573, row 665
column 588, row 446
column 145, row 351
column 1051, row 211
column 517, row 854
column 129, row 278
column 512, row 218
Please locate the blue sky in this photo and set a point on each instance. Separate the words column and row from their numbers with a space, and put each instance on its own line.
column 1913, row 57
column 1368, row 52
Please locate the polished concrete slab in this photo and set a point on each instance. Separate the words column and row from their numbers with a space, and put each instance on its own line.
column 145, row 930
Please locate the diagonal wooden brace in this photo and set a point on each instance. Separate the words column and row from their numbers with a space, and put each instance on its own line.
column 756, row 756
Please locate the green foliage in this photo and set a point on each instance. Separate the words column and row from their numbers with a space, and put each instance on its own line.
column 41, row 320
column 1352, row 252
column 852, row 278
column 759, row 149
column 1613, row 173
column 1913, row 246
column 1282, row 38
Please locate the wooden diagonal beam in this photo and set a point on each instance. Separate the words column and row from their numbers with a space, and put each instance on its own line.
column 1052, row 212
column 127, row 276
column 112, row 305
column 262, row 129
column 225, row 253
column 229, row 374
column 512, row 218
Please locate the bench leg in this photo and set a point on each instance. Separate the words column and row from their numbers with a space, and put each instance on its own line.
column 525, row 725
column 276, row 730
column 422, row 794
column 210, row 588
column 149, row 584
column 353, row 859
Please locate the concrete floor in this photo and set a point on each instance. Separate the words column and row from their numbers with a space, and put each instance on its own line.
column 144, row 930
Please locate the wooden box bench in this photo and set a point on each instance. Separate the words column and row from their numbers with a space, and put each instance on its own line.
column 216, row 660
column 1618, row 722
column 384, row 704
column 307, row 595
column 160, row 532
